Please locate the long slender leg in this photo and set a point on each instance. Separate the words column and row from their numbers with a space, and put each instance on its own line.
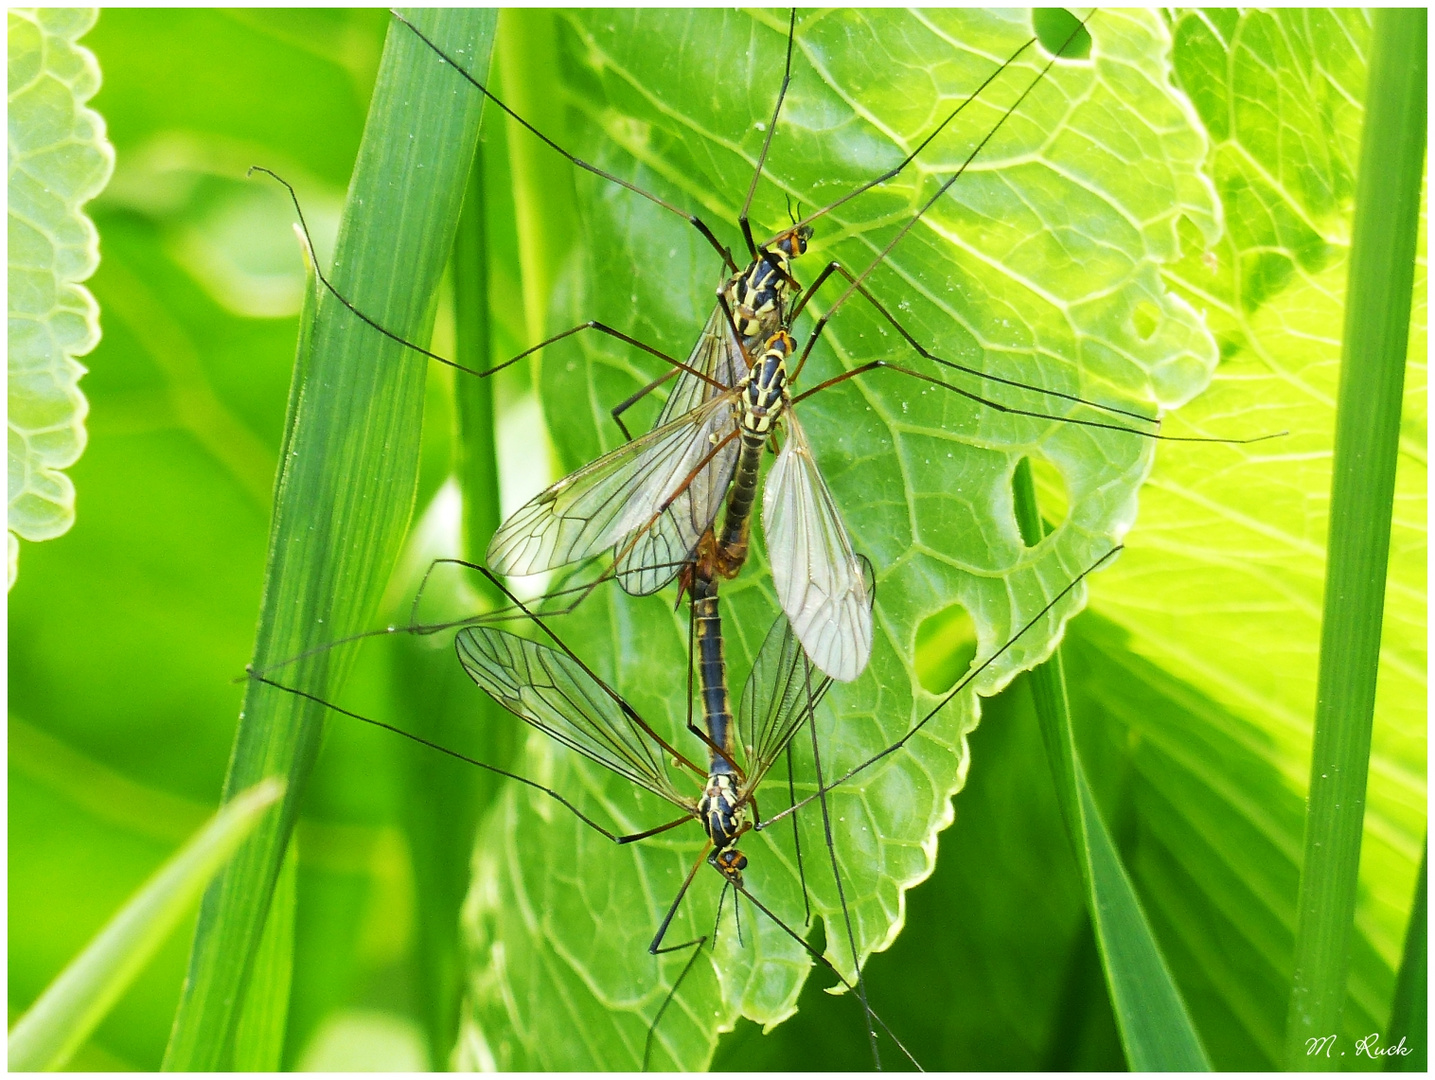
column 926, row 354
column 952, row 693
column 499, row 615
column 697, row 947
column 657, row 948
column 790, row 932
column 413, row 626
column 796, row 839
column 1012, row 410
column 555, row 796
column 692, row 219
column 592, row 324
column 896, row 169
column 323, row 280
column 836, row 872
column 946, row 184
column 617, row 411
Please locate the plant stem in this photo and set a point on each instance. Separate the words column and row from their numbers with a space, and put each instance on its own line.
column 1367, row 434
column 1155, row 1026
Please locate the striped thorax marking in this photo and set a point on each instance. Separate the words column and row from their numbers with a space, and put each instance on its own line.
column 724, row 819
column 764, row 389
column 758, row 296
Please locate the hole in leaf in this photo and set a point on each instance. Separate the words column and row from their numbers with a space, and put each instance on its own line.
column 1061, row 33
column 1052, row 499
column 946, row 647
column 1145, row 319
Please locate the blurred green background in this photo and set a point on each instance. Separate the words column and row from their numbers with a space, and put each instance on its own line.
column 126, row 633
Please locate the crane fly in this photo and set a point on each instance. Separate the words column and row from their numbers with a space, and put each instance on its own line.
column 547, row 686
column 816, row 571
column 698, row 390
column 652, row 499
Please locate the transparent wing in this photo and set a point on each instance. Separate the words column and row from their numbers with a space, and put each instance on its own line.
column 781, row 692
column 614, row 497
column 718, row 355
column 552, row 691
column 819, row 581
column 656, row 556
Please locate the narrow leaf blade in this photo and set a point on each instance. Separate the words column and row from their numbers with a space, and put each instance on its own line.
column 1367, row 449
column 70, row 1008
column 347, row 480
column 1156, row 1028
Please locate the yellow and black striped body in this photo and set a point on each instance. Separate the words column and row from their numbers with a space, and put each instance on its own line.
column 758, row 295
column 724, row 815
column 764, row 397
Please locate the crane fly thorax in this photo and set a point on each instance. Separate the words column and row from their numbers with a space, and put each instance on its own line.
column 764, row 390
column 758, row 295
column 724, row 818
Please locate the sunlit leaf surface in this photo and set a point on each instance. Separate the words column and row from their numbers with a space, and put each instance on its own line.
column 1042, row 264
column 126, row 632
column 59, row 160
column 1221, row 586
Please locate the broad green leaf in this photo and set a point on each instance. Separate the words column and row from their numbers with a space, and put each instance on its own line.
column 67, row 1012
column 59, row 160
column 1220, row 588
column 1043, row 264
column 346, row 485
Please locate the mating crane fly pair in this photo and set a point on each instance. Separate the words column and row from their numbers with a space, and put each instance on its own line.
column 655, row 502
column 654, row 498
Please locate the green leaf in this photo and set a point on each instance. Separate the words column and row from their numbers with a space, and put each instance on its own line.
column 1219, row 590
column 1409, row 1015
column 1155, row 1025
column 259, row 1040
column 1037, row 265
column 346, row 486
column 1367, row 447
column 59, row 160
column 67, row 1012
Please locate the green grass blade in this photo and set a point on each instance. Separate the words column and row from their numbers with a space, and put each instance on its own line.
column 259, row 1039
column 1156, row 1029
column 1367, row 440
column 478, row 454
column 542, row 189
column 443, row 798
column 346, row 485
column 1409, row 1014
column 70, row 1008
